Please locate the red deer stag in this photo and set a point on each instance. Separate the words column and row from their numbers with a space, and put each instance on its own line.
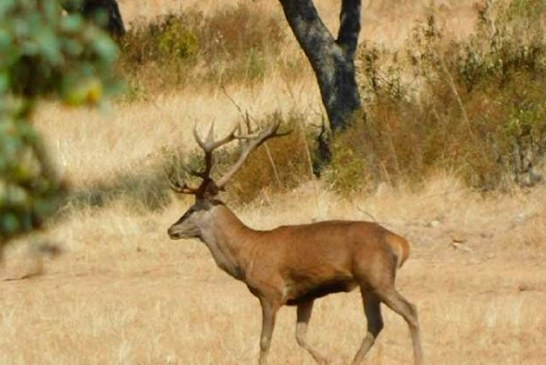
column 294, row 265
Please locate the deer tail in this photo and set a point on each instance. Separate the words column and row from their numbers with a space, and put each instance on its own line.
column 400, row 247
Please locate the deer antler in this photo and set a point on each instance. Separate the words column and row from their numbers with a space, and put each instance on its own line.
column 249, row 142
column 208, row 146
column 178, row 186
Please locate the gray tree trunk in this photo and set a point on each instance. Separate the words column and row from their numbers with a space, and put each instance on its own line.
column 332, row 59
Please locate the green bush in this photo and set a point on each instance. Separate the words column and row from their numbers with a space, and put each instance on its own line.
column 346, row 172
column 170, row 38
column 177, row 42
column 28, row 185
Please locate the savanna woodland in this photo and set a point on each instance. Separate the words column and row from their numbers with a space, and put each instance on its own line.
column 426, row 117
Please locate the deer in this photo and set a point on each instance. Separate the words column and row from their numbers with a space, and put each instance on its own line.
column 293, row 265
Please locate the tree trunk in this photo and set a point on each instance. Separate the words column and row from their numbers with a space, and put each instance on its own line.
column 105, row 12
column 332, row 59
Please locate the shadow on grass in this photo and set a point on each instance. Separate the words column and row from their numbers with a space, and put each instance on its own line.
column 143, row 192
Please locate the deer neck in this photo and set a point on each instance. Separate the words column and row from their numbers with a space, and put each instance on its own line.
column 228, row 240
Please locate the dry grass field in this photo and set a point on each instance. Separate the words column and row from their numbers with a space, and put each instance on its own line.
column 121, row 292
column 385, row 21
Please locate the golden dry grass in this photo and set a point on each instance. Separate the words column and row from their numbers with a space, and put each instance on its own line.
column 123, row 293
column 384, row 21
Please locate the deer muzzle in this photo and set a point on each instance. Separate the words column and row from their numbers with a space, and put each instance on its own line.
column 175, row 233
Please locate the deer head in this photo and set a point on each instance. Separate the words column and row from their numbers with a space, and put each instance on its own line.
column 191, row 224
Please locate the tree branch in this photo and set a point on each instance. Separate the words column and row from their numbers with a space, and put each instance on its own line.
column 349, row 27
column 310, row 31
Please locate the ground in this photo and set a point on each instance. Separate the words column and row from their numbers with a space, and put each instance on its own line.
column 124, row 293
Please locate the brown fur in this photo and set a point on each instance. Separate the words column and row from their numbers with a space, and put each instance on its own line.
column 294, row 265
column 400, row 246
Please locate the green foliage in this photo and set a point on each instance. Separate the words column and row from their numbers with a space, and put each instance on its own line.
column 256, row 65
column 348, row 164
column 71, row 5
column 476, row 107
column 28, row 187
column 45, row 52
column 42, row 53
column 175, row 41
column 170, row 38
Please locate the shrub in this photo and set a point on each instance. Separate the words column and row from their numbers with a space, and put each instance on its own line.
column 159, row 54
column 170, row 38
column 279, row 165
column 240, row 43
column 236, row 43
column 176, row 41
column 476, row 107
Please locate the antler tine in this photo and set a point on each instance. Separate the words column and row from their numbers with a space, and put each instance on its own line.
column 253, row 141
column 210, row 144
column 208, row 147
column 210, row 135
column 176, row 185
column 247, row 123
column 198, row 138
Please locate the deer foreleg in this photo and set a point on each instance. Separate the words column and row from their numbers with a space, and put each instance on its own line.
column 269, row 312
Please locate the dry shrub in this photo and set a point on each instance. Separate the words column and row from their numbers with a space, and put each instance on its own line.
column 277, row 166
column 475, row 107
column 239, row 43
column 235, row 44
column 159, row 54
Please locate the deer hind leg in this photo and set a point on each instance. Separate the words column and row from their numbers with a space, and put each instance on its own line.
column 408, row 311
column 269, row 313
column 304, row 315
column 372, row 310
